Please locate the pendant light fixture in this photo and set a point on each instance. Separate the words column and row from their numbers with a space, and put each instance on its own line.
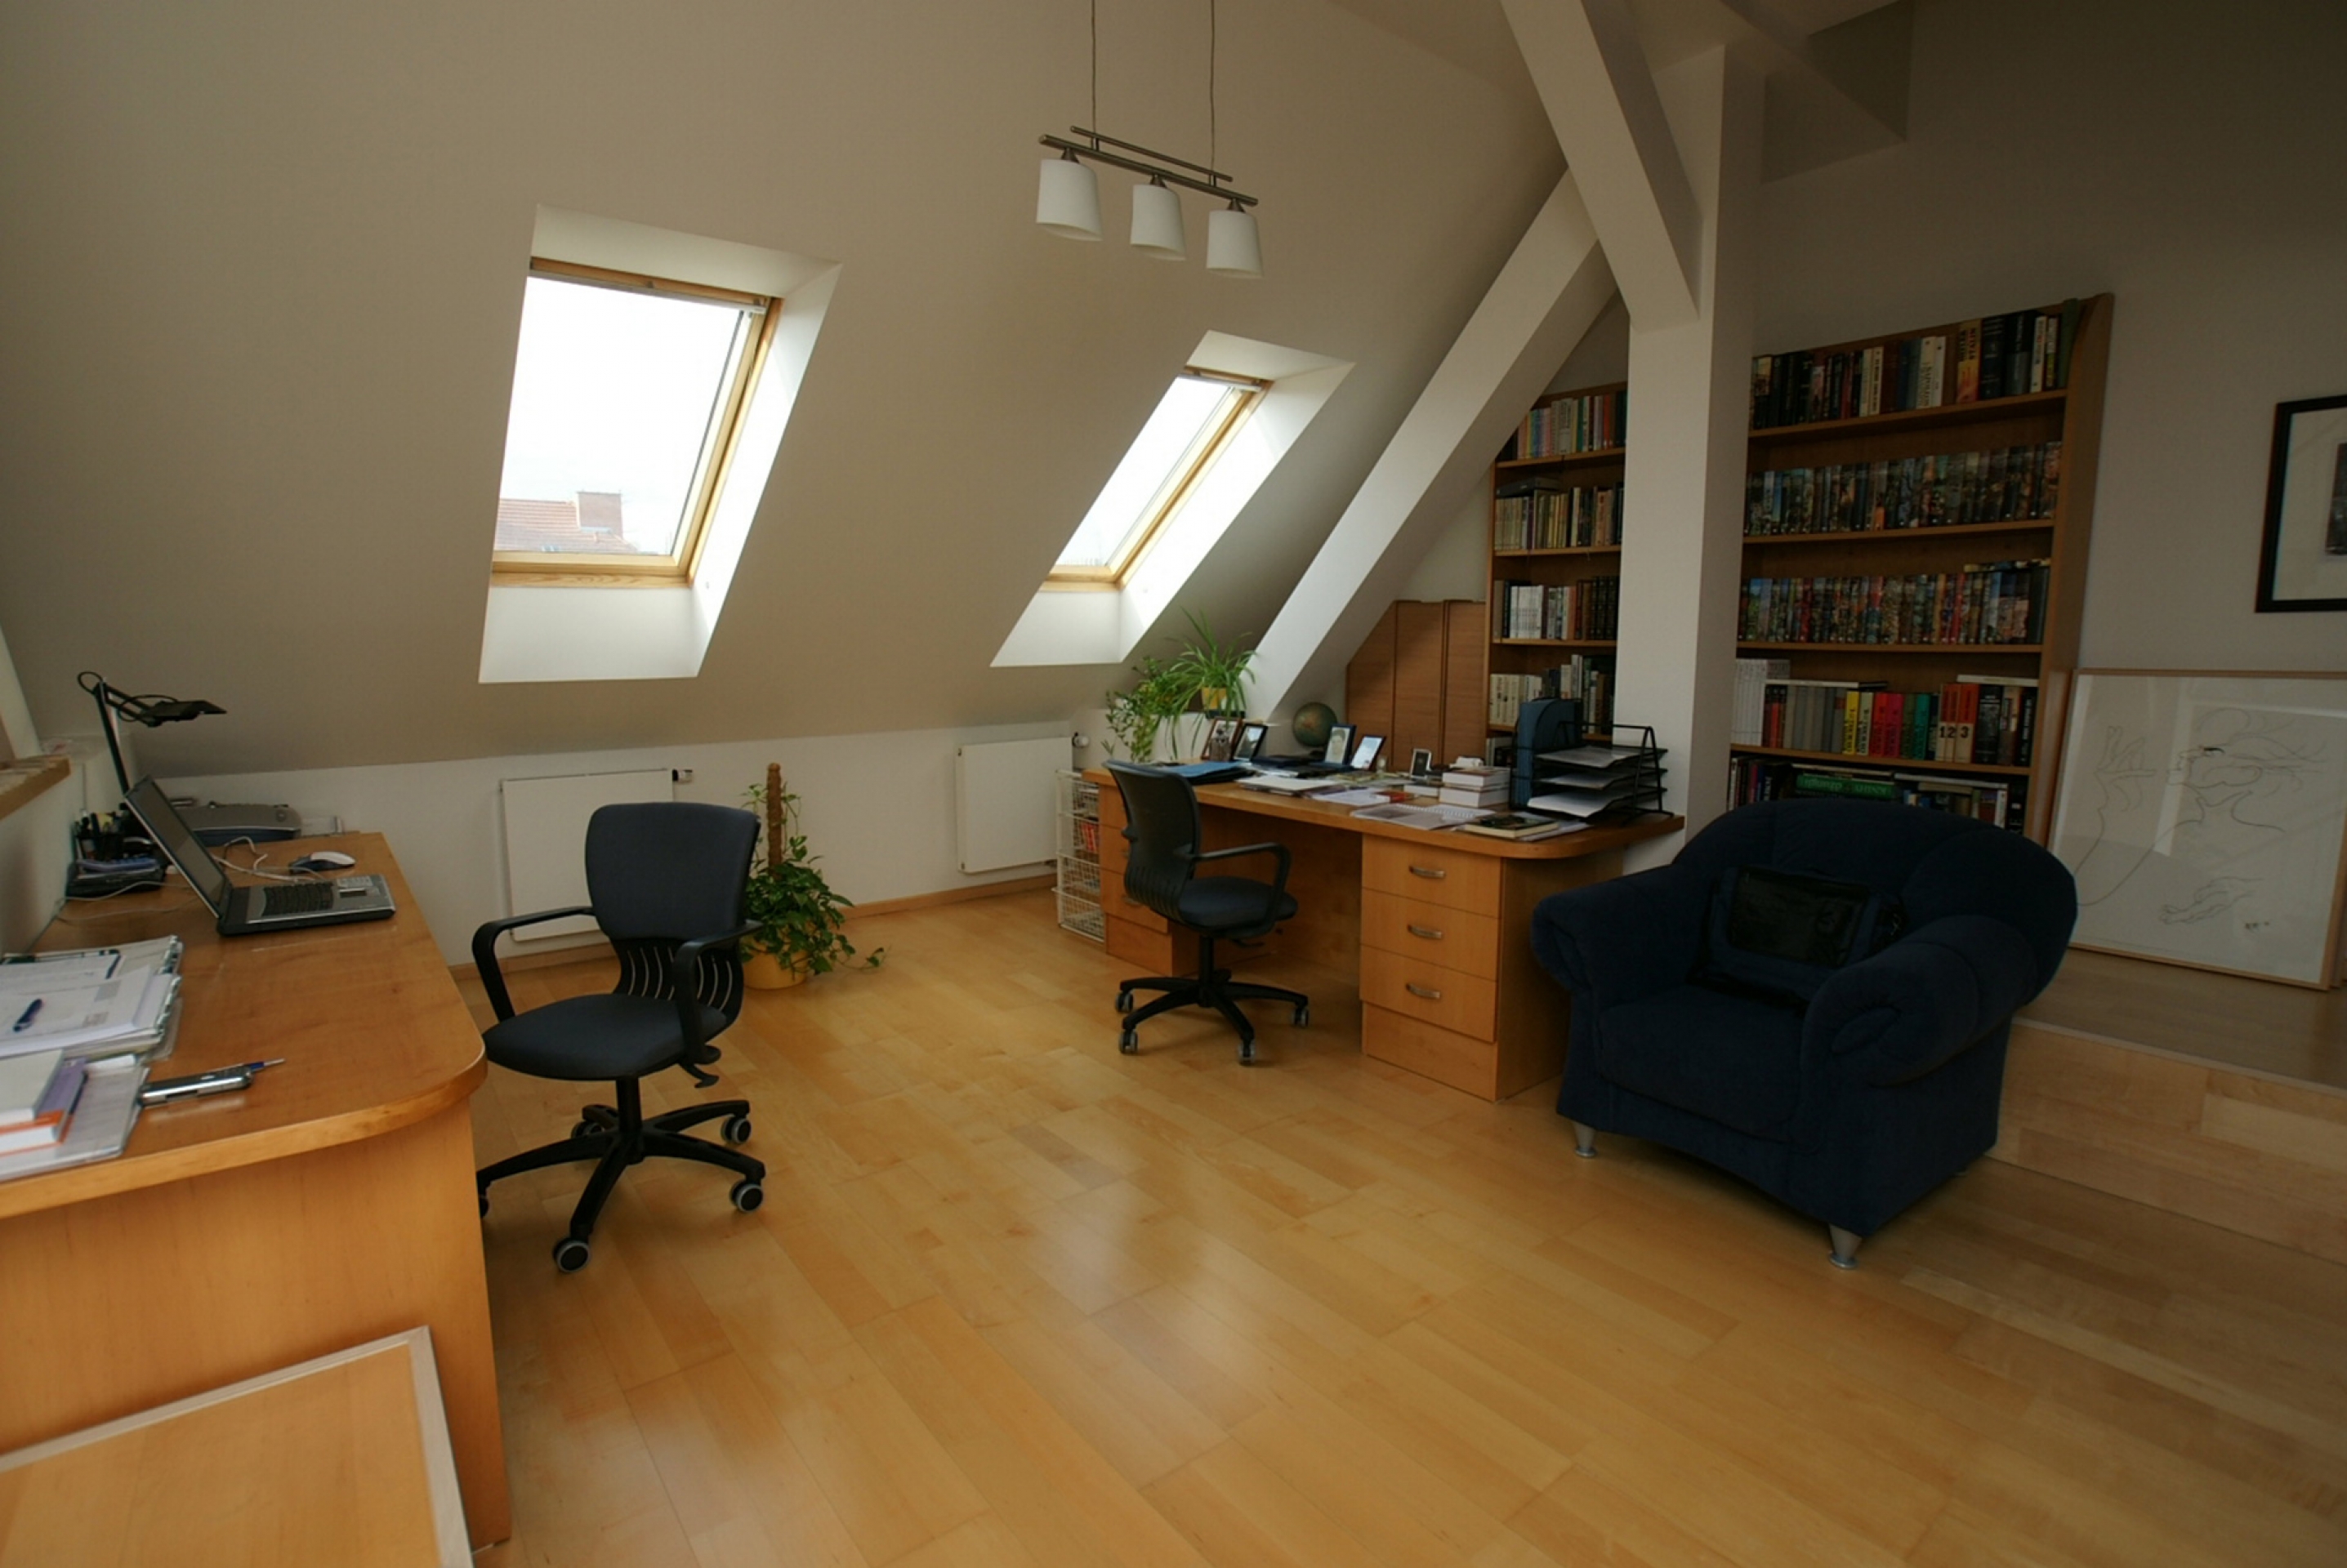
column 1067, row 199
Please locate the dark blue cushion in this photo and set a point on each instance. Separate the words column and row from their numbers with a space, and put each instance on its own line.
column 1719, row 1057
column 1776, row 936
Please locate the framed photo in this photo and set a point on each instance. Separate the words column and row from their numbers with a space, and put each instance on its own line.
column 2303, row 565
column 1250, row 741
column 1364, row 751
column 1222, row 737
column 1422, row 762
column 1340, row 743
column 2205, row 819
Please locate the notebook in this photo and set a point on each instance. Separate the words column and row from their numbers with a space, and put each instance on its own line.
column 243, row 912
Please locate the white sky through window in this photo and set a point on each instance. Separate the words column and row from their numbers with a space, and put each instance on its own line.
column 1170, row 443
column 614, row 393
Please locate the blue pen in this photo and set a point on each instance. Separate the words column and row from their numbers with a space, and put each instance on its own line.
column 24, row 1020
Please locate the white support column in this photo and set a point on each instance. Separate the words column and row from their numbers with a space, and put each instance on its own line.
column 1551, row 289
column 1683, row 487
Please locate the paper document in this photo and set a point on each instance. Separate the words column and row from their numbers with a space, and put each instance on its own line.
column 1357, row 798
column 1428, row 817
column 1571, row 803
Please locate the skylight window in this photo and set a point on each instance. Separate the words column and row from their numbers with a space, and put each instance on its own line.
column 628, row 393
column 1191, row 425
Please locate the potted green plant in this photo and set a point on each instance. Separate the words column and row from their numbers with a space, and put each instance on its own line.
column 1216, row 672
column 1136, row 717
column 801, row 924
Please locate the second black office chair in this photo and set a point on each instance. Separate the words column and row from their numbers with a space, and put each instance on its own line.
column 666, row 879
column 1163, row 835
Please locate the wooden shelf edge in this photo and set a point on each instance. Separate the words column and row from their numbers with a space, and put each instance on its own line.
column 1562, row 550
column 20, row 790
column 1965, row 648
column 1553, row 643
column 1596, row 455
column 1946, row 412
column 1884, row 536
column 1903, row 764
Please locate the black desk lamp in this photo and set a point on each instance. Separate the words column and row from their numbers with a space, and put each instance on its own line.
column 150, row 711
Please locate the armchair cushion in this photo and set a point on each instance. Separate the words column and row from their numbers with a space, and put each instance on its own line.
column 587, row 1038
column 1779, row 935
column 1719, row 1057
column 1914, row 1006
column 1616, row 941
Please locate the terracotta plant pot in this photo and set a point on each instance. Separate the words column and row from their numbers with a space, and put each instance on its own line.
column 766, row 972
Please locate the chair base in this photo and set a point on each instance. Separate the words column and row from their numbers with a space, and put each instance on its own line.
column 616, row 1137
column 1210, row 987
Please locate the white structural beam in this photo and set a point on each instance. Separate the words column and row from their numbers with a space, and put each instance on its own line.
column 1542, row 301
column 1591, row 73
column 1683, row 479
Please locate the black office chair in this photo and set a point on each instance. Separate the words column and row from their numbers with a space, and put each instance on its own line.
column 666, row 879
column 1161, row 812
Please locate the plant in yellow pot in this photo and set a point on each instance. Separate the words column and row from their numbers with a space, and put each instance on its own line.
column 801, row 924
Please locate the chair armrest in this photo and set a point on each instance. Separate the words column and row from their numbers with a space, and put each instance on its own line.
column 683, row 968
column 1914, row 1005
column 1616, row 940
column 485, row 953
column 1279, row 878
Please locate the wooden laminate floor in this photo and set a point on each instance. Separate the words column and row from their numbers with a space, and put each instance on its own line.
column 1016, row 1299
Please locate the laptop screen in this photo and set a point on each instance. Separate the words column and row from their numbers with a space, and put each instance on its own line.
column 155, row 813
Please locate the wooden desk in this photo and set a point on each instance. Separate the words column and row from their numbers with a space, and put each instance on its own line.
column 340, row 1460
column 1433, row 927
column 332, row 1203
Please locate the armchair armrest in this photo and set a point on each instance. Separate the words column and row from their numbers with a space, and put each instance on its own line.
column 1914, row 1005
column 485, row 953
column 1617, row 941
column 682, row 972
column 1279, row 878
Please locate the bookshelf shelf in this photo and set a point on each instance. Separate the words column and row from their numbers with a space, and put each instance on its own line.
column 1563, row 459
column 1904, row 764
column 2026, row 685
column 1568, row 550
column 1552, row 642
column 1904, row 535
column 1966, row 649
column 1947, row 416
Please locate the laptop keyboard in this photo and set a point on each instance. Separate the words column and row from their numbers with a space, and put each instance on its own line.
column 297, row 898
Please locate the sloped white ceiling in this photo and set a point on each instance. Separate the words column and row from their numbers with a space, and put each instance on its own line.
column 261, row 274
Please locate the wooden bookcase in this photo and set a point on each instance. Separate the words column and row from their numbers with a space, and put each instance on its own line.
column 1555, row 565
column 2073, row 415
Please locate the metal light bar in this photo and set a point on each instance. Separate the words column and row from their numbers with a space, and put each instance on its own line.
column 1092, row 147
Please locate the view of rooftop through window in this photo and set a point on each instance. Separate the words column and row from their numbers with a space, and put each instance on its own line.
column 1176, row 445
column 624, row 395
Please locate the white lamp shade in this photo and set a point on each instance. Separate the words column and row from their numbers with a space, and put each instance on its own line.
column 1066, row 202
column 1157, row 223
column 1233, row 248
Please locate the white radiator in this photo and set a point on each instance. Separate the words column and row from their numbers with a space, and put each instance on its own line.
column 1002, row 802
column 546, row 840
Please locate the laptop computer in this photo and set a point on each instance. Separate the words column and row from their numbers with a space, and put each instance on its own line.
column 243, row 912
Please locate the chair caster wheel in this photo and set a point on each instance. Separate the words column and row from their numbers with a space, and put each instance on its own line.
column 736, row 1130
column 581, row 1129
column 747, row 1196
column 571, row 1255
column 1129, row 1043
column 1246, row 1052
column 1303, row 1017
column 484, row 1195
column 1125, row 1002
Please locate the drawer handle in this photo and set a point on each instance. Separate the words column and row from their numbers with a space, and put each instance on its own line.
column 1427, row 932
column 1431, row 873
column 1421, row 991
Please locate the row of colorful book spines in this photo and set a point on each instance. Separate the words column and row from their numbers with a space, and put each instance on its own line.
column 1999, row 604
column 1992, row 356
column 1755, row 779
column 1589, row 608
column 1590, row 423
column 1964, row 721
column 2010, row 483
column 1589, row 681
column 1556, row 529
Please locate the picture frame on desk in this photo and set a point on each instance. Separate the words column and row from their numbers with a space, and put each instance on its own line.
column 1222, row 739
column 1340, row 744
column 2302, row 561
column 1250, row 741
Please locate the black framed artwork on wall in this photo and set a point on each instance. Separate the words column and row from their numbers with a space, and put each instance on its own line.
column 2302, row 565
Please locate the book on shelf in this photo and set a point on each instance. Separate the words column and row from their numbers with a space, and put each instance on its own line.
column 1999, row 802
column 1988, row 720
column 1588, row 610
column 1975, row 361
column 2010, row 484
column 1750, row 707
column 1566, row 426
column 1998, row 602
column 1540, row 513
column 1587, row 679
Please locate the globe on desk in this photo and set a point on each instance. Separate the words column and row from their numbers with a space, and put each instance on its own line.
column 1312, row 723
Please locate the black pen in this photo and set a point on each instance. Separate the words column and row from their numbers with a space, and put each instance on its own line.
column 25, row 1019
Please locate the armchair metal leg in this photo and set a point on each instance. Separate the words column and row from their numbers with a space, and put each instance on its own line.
column 1584, row 1140
column 1845, row 1246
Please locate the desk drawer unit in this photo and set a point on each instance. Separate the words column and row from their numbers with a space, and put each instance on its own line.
column 1427, row 933
column 1432, row 873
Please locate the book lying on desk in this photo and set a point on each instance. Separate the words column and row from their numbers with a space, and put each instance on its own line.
column 1521, row 828
column 103, row 1115
column 38, row 1119
column 92, row 1001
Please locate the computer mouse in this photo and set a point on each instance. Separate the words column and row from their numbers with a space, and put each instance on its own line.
column 324, row 860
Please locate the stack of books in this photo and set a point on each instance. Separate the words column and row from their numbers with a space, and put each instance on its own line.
column 1479, row 785
column 39, row 1091
column 77, row 1032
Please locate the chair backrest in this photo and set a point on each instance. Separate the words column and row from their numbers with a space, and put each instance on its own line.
column 1161, row 812
column 661, row 873
column 1935, row 862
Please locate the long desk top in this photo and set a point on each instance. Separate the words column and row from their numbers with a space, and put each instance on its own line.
column 374, row 1033
column 1319, row 814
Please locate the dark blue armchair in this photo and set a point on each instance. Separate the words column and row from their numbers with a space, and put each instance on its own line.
column 1885, row 1081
